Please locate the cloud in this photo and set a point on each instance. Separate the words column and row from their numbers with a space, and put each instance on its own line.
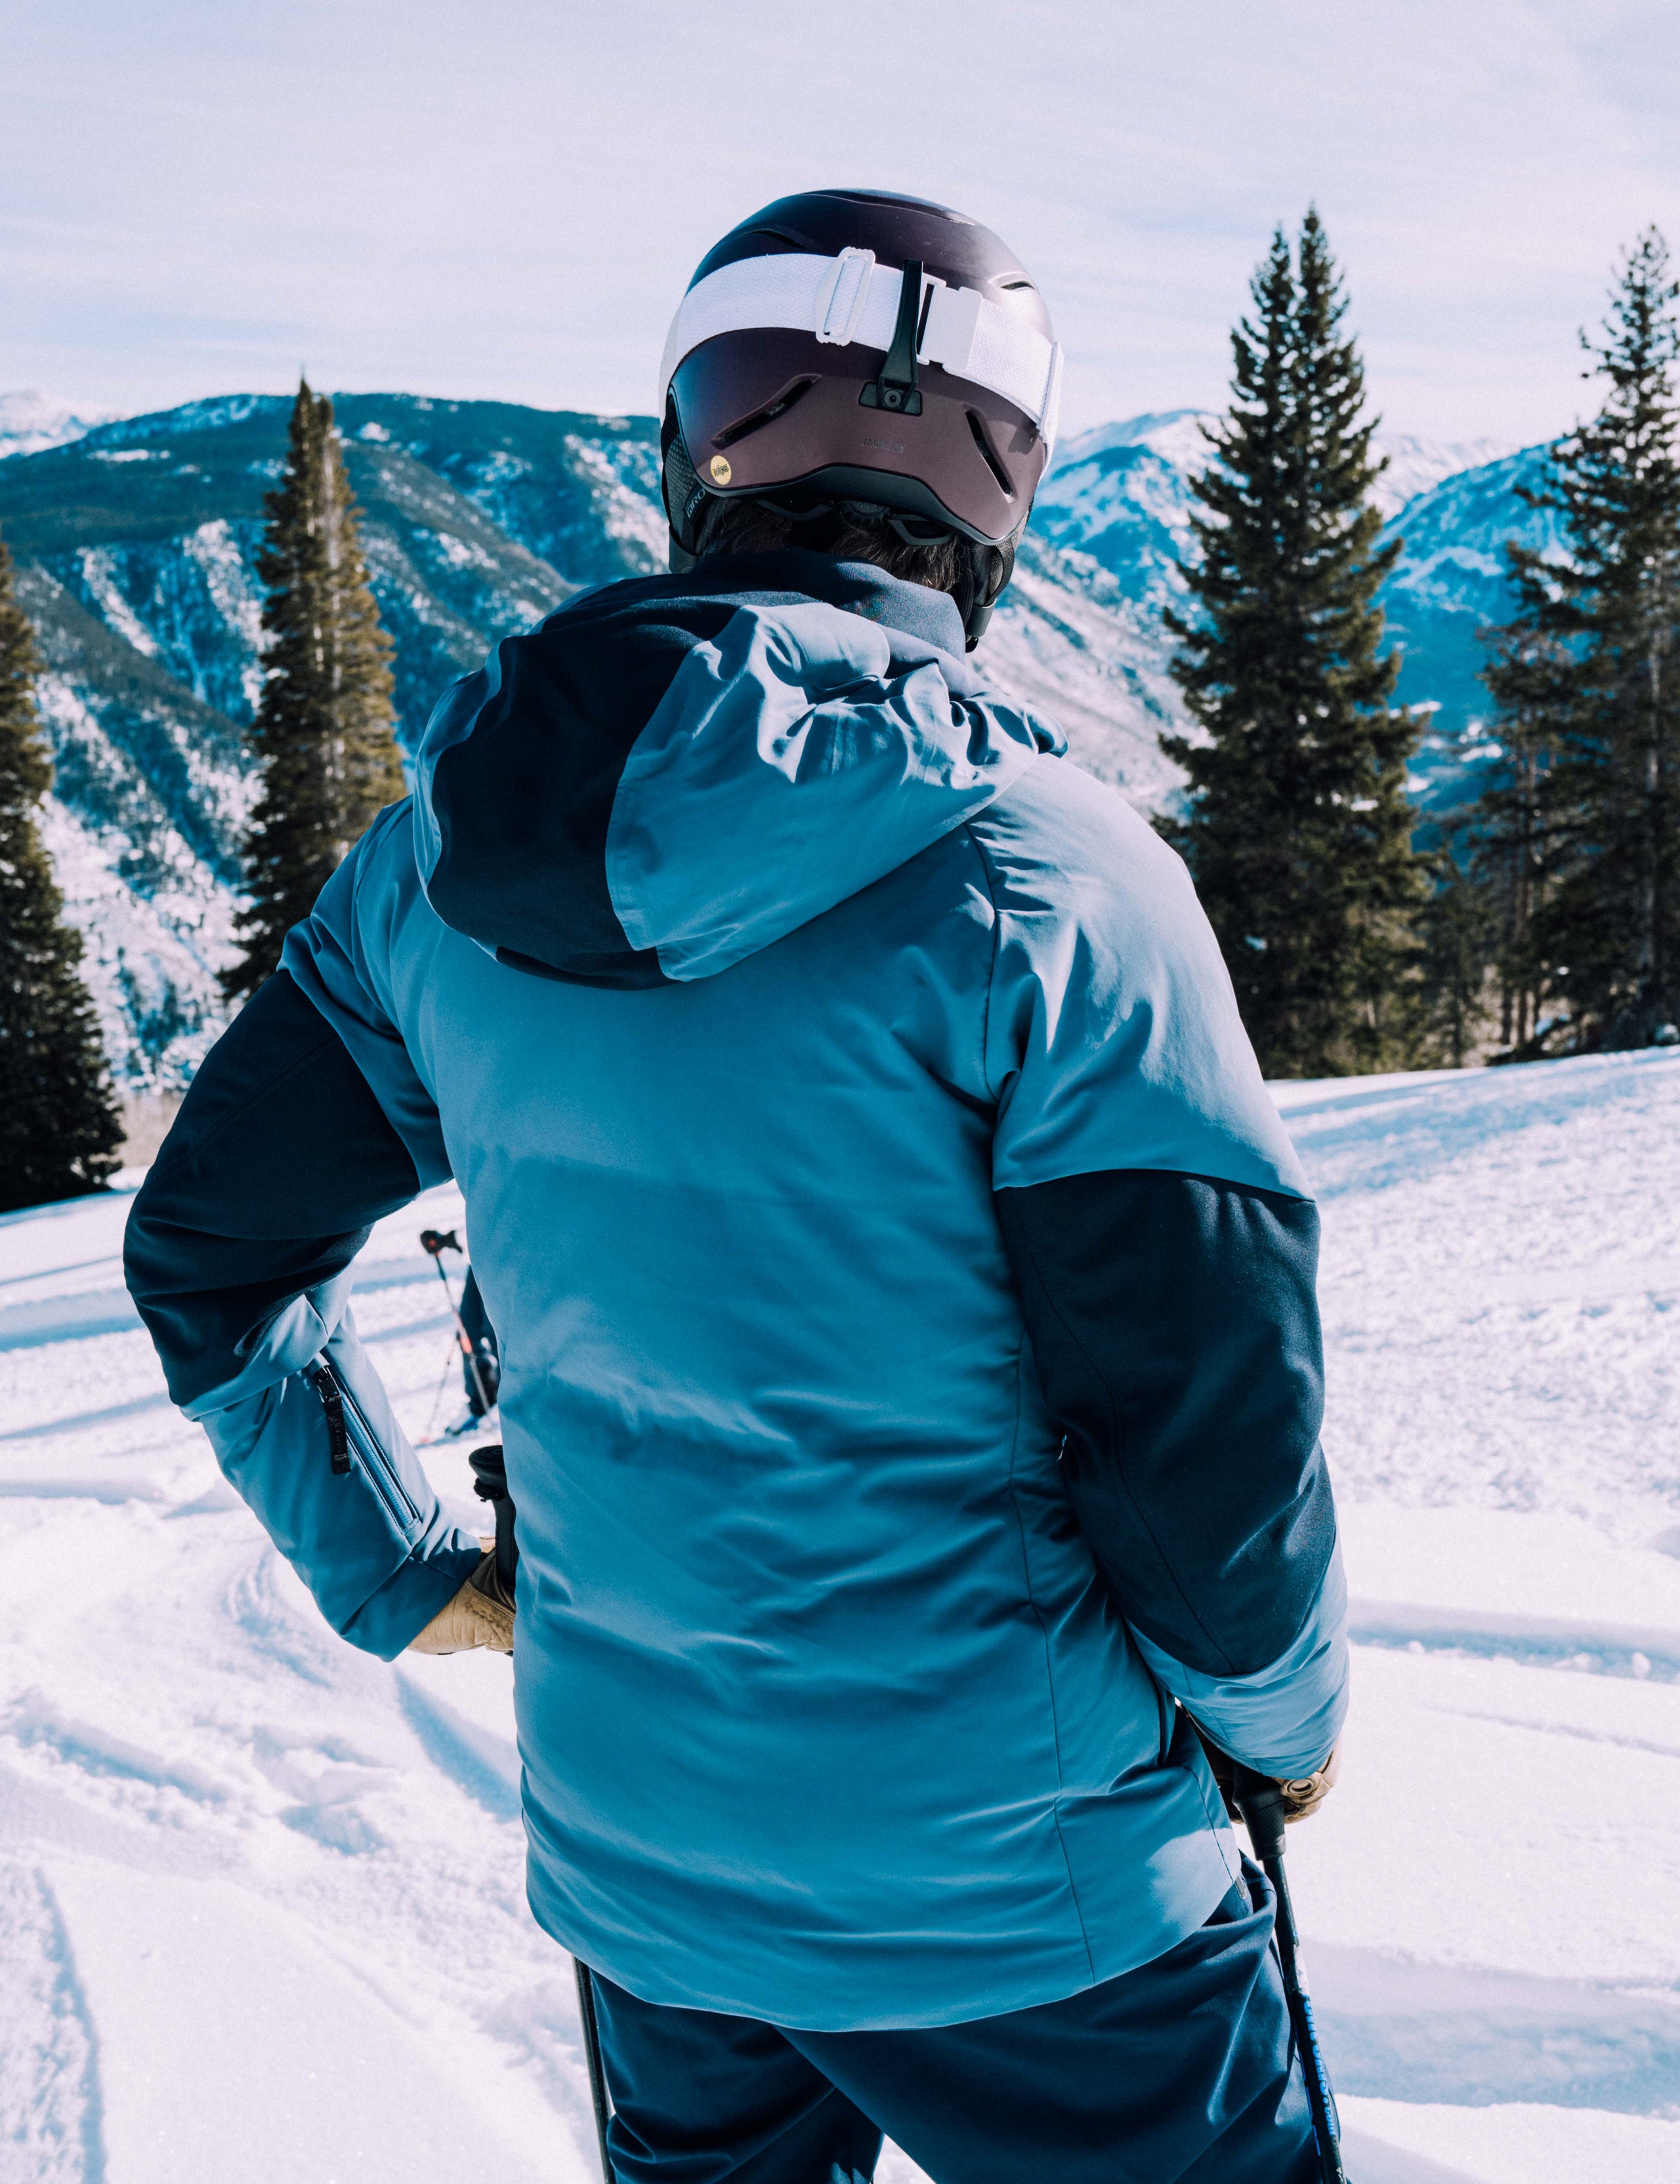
column 506, row 198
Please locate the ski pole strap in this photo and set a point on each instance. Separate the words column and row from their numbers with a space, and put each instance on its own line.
column 1260, row 1802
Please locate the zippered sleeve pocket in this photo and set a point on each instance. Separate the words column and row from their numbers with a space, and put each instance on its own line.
column 353, row 1445
column 323, row 1462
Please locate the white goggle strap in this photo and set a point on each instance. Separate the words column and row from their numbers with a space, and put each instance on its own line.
column 850, row 298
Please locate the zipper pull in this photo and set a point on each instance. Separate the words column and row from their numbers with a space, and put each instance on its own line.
column 320, row 1378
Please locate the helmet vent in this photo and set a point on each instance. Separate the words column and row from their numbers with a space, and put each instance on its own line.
column 770, row 412
column 989, row 456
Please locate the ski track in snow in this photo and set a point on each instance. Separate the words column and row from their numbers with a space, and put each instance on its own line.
column 262, row 1909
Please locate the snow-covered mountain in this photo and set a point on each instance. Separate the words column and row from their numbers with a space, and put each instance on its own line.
column 136, row 547
column 1119, row 501
column 30, row 421
column 137, row 541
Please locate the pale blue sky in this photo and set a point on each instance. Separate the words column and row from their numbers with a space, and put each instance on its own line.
column 506, row 198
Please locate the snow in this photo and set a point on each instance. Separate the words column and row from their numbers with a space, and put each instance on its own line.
column 235, row 593
column 149, row 962
column 624, row 505
column 1177, row 436
column 261, row 1902
column 97, row 565
column 30, row 421
column 1418, row 465
column 1066, row 640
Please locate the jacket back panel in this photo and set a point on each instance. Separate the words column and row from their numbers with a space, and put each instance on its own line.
column 824, row 1714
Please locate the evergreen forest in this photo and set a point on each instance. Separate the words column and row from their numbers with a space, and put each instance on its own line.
column 60, row 1129
column 1542, row 916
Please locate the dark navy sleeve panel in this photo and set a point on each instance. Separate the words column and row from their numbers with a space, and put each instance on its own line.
column 279, row 1162
column 237, row 1254
column 1175, row 1330
column 1285, row 1720
column 1113, row 1036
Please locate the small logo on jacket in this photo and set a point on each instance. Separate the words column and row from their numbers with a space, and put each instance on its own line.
column 720, row 471
column 885, row 447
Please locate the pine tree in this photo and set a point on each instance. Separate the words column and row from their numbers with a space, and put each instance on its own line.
column 1296, row 822
column 323, row 735
column 1590, row 668
column 1449, row 1012
column 1511, row 834
column 59, row 1130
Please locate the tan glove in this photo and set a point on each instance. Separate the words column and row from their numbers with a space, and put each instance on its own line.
column 480, row 1614
column 1301, row 1798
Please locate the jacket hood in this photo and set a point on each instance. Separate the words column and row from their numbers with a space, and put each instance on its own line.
column 671, row 773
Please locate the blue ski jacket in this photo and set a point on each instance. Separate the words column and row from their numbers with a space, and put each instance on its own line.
column 911, row 1368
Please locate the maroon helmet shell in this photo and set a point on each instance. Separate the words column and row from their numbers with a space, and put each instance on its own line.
column 845, row 345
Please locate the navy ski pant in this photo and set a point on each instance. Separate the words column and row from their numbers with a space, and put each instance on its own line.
column 1181, row 2072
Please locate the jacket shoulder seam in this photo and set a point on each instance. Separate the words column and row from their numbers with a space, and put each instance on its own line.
column 974, row 843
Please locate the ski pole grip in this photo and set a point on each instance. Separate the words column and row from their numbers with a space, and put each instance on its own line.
column 490, row 1483
column 1260, row 1802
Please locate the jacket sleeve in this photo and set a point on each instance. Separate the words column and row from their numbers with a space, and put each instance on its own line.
column 1164, row 1249
column 238, row 1255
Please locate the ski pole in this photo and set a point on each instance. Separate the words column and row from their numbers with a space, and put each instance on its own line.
column 1260, row 1802
column 490, row 1483
column 598, row 2074
column 435, row 1242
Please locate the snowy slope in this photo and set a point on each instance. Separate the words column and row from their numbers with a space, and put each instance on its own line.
column 261, row 1915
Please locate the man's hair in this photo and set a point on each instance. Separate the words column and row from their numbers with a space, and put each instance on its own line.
column 752, row 526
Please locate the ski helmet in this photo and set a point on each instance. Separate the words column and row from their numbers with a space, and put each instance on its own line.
column 847, row 353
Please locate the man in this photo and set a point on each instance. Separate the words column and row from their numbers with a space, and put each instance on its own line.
column 911, row 1370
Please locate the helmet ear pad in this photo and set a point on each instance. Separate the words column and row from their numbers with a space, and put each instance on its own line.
column 987, row 570
column 679, row 488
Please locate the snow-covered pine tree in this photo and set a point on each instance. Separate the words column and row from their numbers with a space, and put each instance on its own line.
column 323, row 735
column 59, row 1130
column 1296, row 823
column 1603, row 632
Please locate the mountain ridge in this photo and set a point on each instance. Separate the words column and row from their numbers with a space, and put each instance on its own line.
column 136, row 538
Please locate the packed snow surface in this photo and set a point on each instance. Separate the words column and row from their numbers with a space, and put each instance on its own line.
column 262, row 1916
